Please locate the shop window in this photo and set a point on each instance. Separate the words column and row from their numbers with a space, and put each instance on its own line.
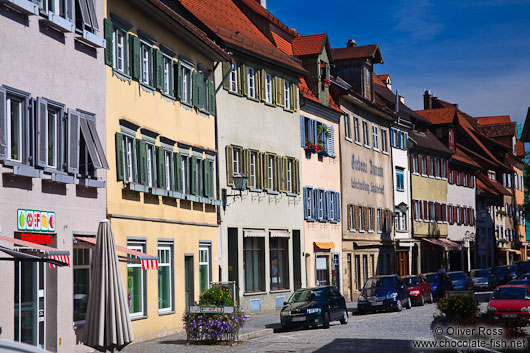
column 81, row 264
column 279, row 263
column 165, row 276
column 321, row 265
column 254, row 259
column 136, row 286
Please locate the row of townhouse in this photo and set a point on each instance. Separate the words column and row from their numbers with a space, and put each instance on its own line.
column 223, row 145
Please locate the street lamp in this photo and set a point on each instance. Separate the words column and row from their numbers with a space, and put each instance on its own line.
column 240, row 184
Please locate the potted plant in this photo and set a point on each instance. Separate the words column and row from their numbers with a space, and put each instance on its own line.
column 215, row 320
column 313, row 147
column 326, row 82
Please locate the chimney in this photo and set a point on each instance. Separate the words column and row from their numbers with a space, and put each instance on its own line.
column 402, row 99
column 262, row 3
column 351, row 43
column 427, row 100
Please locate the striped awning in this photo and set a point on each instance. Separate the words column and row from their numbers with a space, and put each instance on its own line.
column 279, row 234
column 40, row 252
column 254, row 233
column 147, row 261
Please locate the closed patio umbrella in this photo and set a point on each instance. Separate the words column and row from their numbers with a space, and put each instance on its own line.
column 107, row 322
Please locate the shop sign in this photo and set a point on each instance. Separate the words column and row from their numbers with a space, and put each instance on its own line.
column 38, row 221
column 45, row 239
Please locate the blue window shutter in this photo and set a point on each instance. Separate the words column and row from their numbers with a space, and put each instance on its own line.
column 315, row 131
column 306, row 201
column 406, row 140
column 317, row 204
column 331, row 150
column 302, row 130
column 337, row 206
column 392, row 137
column 328, row 199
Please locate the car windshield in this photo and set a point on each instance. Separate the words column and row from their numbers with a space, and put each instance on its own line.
column 384, row 282
column 525, row 276
column 520, row 282
column 305, row 295
column 457, row 276
column 411, row 281
column 480, row 273
column 512, row 268
column 433, row 277
column 511, row 293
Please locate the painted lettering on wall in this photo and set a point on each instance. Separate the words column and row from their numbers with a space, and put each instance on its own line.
column 369, row 188
column 367, row 168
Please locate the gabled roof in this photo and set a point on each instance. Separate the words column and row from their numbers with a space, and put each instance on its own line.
column 426, row 139
column 312, row 44
column 438, row 116
column 306, row 92
column 484, row 185
column 230, row 24
column 499, row 129
column 282, row 43
column 462, row 157
column 366, row 51
column 487, row 120
column 383, row 77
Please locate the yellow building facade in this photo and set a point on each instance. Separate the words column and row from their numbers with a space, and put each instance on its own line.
column 161, row 193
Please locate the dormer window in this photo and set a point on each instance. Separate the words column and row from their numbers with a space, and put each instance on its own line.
column 451, row 138
column 367, row 79
column 491, row 175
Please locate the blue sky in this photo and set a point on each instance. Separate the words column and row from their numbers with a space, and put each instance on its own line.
column 472, row 52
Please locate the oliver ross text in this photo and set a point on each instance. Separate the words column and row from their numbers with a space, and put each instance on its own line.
column 366, row 168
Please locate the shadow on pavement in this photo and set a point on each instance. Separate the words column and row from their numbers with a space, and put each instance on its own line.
column 181, row 342
column 367, row 345
column 276, row 327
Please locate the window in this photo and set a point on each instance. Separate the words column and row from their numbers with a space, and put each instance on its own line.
column 253, row 263
column 146, row 64
column 322, row 271
column 270, row 167
column 438, row 167
column 356, row 130
column 251, row 82
column 464, row 215
column 432, row 171
column 415, row 165
column 321, row 199
column 370, row 219
column 451, row 178
column 491, row 175
column 167, row 168
column 87, row 11
column 204, row 268
column 458, row 178
column 15, row 115
column 129, row 160
column 287, row 94
column 444, row 169
column 165, row 275
column 120, row 54
column 236, row 160
column 366, row 136
column 352, row 217
column 309, row 211
column 268, row 88
column 186, row 185
column 289, row 175
column 432, row 214
column 361, row 218
column 186, row 84
column 424, row 166
column 400, row 220
column 136, row 283
column 384, row 142
column 347, row 127
column 375, row 137
column 167, row 74
column 279, row 263
column 151, row 165
column 253, row 169
column 417, row 210
column 400, row 179
column 379, row 220
column 233, row 78
column 81, row 260
column 331, row 205
column 51, row 136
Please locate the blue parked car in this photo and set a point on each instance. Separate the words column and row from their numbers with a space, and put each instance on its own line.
column 440, row 284
column 523, row 266
column 483, row 279
column 520, row 282
column 525, row 276
column 501, row 273
column 384, row 293
column 513, row 272
column 460, row 280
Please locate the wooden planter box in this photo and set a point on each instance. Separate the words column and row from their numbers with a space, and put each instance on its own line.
column 197, row 336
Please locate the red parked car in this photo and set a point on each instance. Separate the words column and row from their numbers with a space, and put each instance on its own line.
column 419, row 289
column 511, row 302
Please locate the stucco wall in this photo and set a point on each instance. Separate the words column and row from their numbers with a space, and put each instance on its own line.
column 431, row 189
column 400, row 159
column 48, row 64
column 464, row 197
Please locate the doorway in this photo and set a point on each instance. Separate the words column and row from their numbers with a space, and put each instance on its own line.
column 30, row 303
column 402, row 262
column 233, row 256
column 297, row 258
column 189, row 296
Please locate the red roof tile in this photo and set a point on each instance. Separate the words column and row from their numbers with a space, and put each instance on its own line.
column 426, row 139
column 487, row 120
column 519, row 148
column 484, row 185
column 231, row 24
column 309, row 45
column 282, row 44
column 383, row 77
column 365, row 51
column 438, row 116
column 306, row 92
column 463, row 157
column 260, row 10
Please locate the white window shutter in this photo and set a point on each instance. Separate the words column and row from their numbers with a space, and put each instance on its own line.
column 73, row 142
column 331, row 141
column 42, row 112
column 89, row 141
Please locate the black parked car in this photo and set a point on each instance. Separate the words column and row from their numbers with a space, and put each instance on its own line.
column 483, row 279
column 383, row 293
column 440, row 284
column 460, row 280
column 313, row 307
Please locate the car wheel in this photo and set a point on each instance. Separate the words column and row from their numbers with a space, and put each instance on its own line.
column 399, row 306
column 431, row 299
column 422, row 302
column 409, row 304
column 326, row 320
column 344, row 319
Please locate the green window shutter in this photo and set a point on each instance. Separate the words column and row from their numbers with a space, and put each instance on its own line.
column 207, row 176
column 211, row 97
column 195, row 89
column 229, row 166
column 178, row 172
column 263, row 82
column 257, row 83
column 259, row 171
column 161, row 167
column 266, row 184
column 119, row 156
column 211, row 186
column 109, row 29
column 172, row 78
column 245, row 166
column 202, row 91
column 226, row 69
column 244, row 83
column 159, row 61
column 296, row 174
column 152, row 63
column 240, row 73
column 142, row 162
column 294, row 96
column 285, row 162
column 135, row 56
column 276, row 173
column 179, row 80
column 194, row 186
column 172, row 174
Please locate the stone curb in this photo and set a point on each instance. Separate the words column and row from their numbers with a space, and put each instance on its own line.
column 255, row 334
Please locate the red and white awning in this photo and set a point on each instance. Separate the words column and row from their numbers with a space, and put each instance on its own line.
column 147, row 261
column 56, row 258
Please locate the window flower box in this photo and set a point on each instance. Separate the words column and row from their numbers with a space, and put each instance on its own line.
column 326, row 82
column 313, row 147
